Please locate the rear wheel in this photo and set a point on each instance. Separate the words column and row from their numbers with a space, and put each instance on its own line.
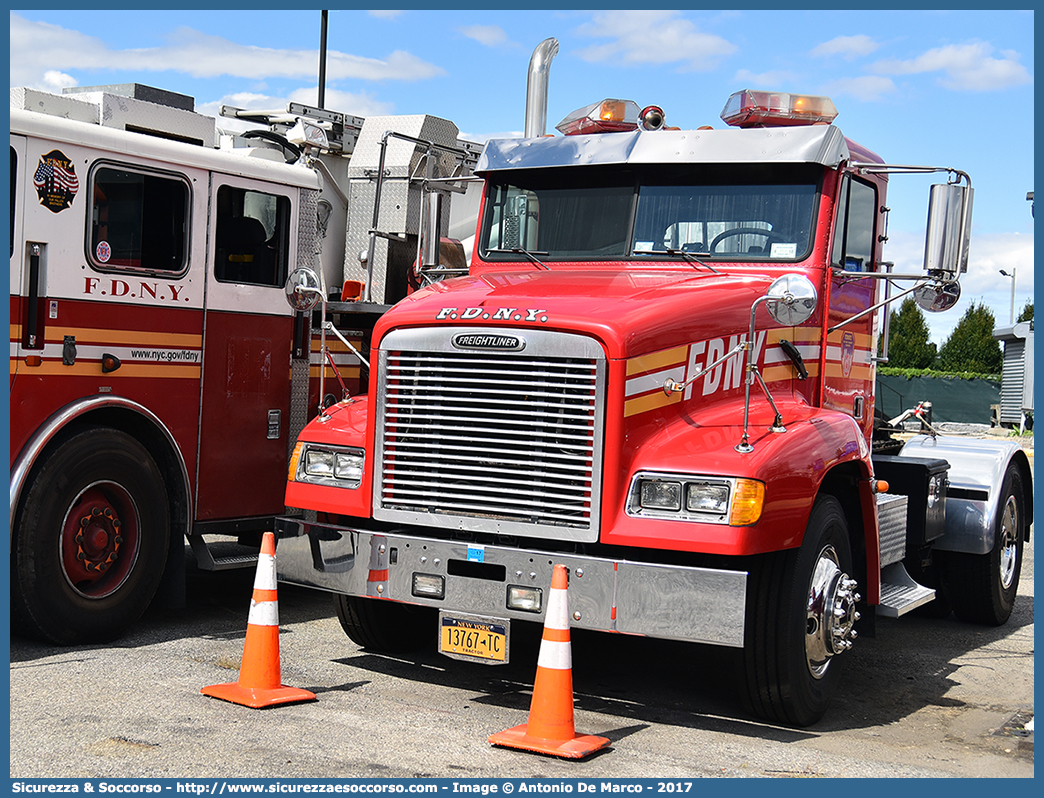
column 982, row 587
column 800, row 614
column 383, row 625
column 91, row 539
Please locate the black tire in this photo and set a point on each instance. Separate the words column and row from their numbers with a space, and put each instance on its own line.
column 982, row 587
column 386, row 626
column 790, row 665
column 90, row 540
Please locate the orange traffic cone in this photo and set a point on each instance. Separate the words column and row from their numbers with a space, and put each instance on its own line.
column 259, row 682
column 550, row 729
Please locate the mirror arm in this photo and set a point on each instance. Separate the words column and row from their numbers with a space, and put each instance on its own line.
column 887, row 301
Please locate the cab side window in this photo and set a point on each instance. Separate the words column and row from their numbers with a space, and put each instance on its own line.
column 139, row 220
column 854, row 231
column 252, row 233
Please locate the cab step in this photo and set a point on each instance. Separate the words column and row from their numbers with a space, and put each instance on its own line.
column 900, row 593
column 208, row 557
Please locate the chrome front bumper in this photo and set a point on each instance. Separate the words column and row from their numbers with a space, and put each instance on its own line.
column 701, row 605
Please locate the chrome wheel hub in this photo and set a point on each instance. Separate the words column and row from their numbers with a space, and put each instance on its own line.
column 830, row 613
column 1009, row 550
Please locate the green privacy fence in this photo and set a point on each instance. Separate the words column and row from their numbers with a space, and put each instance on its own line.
column 952, row 398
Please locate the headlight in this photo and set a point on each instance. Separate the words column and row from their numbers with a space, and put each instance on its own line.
column 320, row 465
column 707, row 497
column 661, row 495
column 682, row 497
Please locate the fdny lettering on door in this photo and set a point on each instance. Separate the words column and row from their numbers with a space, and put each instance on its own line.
column 646, row 375
column 138, row 289
column 499, row 314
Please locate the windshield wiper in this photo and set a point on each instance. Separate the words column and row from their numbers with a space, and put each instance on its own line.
column 527, row 253
column 673, row 252
column 692, row 258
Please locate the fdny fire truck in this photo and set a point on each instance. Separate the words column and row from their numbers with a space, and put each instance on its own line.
column 660, row 374
column 158, row 378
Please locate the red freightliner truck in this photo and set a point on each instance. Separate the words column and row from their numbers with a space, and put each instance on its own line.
column 659, row 372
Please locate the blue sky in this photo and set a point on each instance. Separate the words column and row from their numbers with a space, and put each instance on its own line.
column 939, row 88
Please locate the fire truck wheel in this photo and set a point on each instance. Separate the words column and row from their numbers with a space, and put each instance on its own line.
column 388, row 626
column 982, row 587
column 91, row 539
column 801, row 610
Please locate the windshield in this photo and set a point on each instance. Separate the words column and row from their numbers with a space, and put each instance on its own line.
column 734, row 213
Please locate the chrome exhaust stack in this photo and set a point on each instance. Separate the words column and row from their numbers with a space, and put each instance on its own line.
column 536, row 87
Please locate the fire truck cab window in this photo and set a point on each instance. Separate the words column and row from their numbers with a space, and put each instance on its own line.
column 138, row 221
column 555, row 217
column 735, row 213
column 854, row 231
column 14, row 171
column 252, row 237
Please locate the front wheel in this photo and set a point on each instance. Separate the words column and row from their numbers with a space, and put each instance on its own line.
column 982, row 587
column 385, row 626
column 90, row 540
column 800, row 616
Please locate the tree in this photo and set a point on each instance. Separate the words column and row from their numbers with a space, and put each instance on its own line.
column 908, row 344
column 1027, row 314
column 971, row 346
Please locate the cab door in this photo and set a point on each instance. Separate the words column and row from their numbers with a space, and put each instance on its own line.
column 246, row 350
column 848, row 382
column 17, row 253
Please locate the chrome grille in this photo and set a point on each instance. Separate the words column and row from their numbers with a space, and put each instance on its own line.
column 491, row 440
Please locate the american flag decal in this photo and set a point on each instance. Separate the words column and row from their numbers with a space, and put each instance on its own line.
column 55, row 180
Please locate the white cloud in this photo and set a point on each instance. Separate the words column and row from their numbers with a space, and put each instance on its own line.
column 868, row 87
column 56, row 81
column 965, row 67
column 383, row 13
column 489, row 35
column 37, row 47
column 848, row 47
column 652, row 37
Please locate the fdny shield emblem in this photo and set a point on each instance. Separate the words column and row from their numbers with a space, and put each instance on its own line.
column 55, row 181
column 847, row 353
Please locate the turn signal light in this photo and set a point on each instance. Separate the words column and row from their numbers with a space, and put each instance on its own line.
column 747, row 502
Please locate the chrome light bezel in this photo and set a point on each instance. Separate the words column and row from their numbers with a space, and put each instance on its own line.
column 344, row 470
column 688, row 482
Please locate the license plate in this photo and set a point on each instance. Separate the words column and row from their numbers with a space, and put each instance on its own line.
column 474, row 638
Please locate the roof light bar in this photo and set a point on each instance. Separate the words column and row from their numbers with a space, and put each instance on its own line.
column 749, row 108
column 607, row 116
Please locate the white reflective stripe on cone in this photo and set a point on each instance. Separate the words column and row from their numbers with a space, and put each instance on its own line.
column 555, row 655
column 264, row 613
column 557, row 616
column 265, row 577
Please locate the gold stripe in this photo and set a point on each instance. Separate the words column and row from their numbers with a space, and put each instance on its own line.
column 862, row 340
column 55, row 368
column 858, row 372
column 90, row 336
column 652, row 401
column 658, row 360
column 786, row 372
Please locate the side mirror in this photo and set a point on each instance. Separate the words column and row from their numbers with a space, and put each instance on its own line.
column 303, row 289
column 949, row 230
column 791, row 299
column 937, row 297
column 431, row 231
